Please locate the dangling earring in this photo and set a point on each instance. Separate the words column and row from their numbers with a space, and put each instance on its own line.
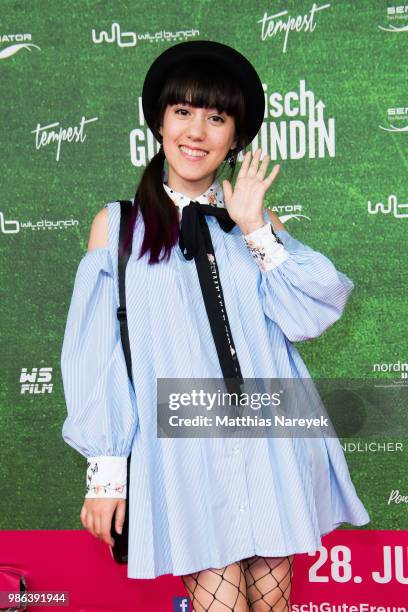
column 231, row 159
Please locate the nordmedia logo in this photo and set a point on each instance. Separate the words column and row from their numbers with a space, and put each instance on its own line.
column 399, row 366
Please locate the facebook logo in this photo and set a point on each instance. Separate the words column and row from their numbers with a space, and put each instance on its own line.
column 181, row 604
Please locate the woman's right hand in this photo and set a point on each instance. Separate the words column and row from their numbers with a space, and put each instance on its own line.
column 96, row 516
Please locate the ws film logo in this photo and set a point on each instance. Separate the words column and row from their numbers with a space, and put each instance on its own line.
column 398, row 14
column 19, row 42
column 38, row 381
column 181, row 604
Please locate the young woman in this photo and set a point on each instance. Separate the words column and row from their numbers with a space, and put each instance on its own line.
column 216, row 288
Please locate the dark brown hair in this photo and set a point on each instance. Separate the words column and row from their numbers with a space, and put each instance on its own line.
column 200, row 84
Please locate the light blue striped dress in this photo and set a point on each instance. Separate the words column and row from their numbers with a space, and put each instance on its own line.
column 197, row 503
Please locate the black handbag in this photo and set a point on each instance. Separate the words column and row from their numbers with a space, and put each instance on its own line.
column 120, row 548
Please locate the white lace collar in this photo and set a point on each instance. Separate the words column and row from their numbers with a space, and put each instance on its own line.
column 214, row 195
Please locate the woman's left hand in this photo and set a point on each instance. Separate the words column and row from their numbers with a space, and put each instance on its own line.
column 245, row 203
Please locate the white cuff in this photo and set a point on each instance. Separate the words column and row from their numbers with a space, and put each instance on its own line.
column 265, row 248
column 106, row 477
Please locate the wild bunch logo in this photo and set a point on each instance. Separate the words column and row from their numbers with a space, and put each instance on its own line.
column 392, row 205
column 130, row 39
column 13, row 226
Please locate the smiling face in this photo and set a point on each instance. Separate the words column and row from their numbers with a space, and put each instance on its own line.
column 195, row 143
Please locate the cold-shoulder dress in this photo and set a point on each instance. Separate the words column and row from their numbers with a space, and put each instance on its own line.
column 197, row 503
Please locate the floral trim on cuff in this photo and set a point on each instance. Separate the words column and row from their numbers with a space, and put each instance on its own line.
column 266, row 248
column 106, row 477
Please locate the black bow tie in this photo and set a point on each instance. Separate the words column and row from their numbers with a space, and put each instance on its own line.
column 192, row 224
column 195, row 242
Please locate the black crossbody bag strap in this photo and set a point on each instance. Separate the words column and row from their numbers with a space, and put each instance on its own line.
column 120, row 548
column 125, row 210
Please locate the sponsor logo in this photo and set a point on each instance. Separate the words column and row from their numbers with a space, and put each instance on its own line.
column 19, row 42
column 46, row 134
column 13, row 226
column 131, row 39
column 398, row 366
column 396, row 497
column 396, row 14
column 395, row 115
column 36, row 382
column 398, row 209
column 273, row 25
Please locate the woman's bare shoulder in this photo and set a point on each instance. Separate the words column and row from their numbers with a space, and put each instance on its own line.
column 98, row 237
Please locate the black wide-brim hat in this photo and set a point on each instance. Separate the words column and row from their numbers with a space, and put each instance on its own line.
column 202, row 50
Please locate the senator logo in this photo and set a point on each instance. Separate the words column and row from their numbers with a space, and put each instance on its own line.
column 396, row 14
column 396, row 115
column 19, row 42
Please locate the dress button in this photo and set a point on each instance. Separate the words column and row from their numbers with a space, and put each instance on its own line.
column 242, row 507
column 235, row 450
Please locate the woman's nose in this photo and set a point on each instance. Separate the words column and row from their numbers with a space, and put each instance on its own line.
column 196, row 127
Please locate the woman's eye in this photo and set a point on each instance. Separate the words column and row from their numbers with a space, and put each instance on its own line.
column 184, row 110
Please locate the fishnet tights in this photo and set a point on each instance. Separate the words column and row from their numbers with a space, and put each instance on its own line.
column 257, row 584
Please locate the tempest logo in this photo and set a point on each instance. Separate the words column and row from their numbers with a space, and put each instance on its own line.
column 272, row 25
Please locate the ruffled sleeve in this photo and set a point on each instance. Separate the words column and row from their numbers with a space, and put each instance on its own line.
column 300, row 289
column 100, row 399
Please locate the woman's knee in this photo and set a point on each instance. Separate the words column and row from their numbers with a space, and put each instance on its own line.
column 268, row 581
column 224, row 589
